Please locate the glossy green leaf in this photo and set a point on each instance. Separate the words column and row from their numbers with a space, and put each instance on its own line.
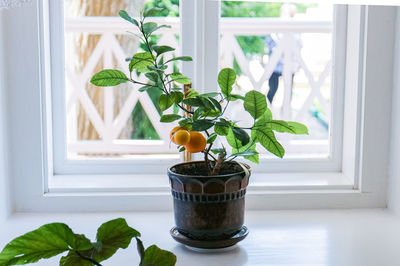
column 226, row 79
column 141, row 61
column 264, row 119
column 248, row 152
column 180, row 58
column 233, row 141
column 234, row 97
column 212, row 138
column 210, row 94
column 268, row 140
column 149, row 27
column 176, row 96
column 165, row 102
column 221, row 129
column 202, row 125
column 169, row 118
column 154, row 256
column 162, row 49
column 113, row 235
column 193, row 102
column 298, row 128
column 109, row 77
column 150, row 12
column 179, row 78
column 123, row 14
column 241, row 135
column 47, row 241
column 255, row 103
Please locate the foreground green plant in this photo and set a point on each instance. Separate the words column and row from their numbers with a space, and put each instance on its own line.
column 55, row 238
column 207, row 112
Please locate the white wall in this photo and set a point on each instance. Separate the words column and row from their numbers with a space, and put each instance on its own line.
column 4, row 178
column 394, row 178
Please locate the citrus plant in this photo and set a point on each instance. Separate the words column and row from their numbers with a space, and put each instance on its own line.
column 56, row 238
column 206, row 121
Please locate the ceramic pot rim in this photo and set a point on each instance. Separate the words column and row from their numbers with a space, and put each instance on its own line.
column 207, row 177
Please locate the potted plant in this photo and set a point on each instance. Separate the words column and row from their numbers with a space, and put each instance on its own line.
column 209, row 194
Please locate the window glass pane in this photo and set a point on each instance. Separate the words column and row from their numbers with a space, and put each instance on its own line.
column 119, row 120
column 284, row 51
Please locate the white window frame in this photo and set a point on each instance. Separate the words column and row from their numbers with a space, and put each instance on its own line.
column 360, row 182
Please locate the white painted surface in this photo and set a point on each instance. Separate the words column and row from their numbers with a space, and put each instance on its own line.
column 4, row 178
column 334, row 238
column 394, row 179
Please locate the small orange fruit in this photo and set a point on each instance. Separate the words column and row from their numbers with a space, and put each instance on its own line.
column 197, row 142
column 172, row 133
column 182, row 137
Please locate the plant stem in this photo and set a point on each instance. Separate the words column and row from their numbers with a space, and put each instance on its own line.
column 88, row 259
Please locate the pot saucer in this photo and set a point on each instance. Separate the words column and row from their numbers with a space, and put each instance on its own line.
column 204, row 245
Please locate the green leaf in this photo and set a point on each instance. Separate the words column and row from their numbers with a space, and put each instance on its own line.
column 113, row 235
column 169, row 118
column 251, row 148
column 149, row 27
column 226, row 79
column 162, row 49
column 193, row 102
column 182, row 149
column 123, row 14
column 264, row 119
column 73, row 258
column 45, row 242
column 221, row 129
column 146, row 87
column 180, row 58
column 165, row 102
column 255, row 103
column 298, row 128
column 234, row 97
column 176, row 96
column 241, row 135
column 153, row 256
column 211, row 138
column 178, row 77
column 233, row 141
column 186, row 122
column 244, row 153
column 150, row 12
column 268, row 140
column 207, row 104
column 210, row 94
column 141, row 61
column 152, row 76
column 218, row 150
column 109, row 77
column 202, row 125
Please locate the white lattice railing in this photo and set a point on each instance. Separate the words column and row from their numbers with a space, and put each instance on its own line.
column 110, row 126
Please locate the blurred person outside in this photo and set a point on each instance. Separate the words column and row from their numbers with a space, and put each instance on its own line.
column 272, row 40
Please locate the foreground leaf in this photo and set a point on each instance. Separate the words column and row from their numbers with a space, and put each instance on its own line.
column 202, row 125
column 111, row 236
column 248, row 152
column 154, row 256
column 47, row 241
column 109, row 77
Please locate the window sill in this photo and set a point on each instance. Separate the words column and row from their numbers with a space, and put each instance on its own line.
column 276, row 237
column 260, row 183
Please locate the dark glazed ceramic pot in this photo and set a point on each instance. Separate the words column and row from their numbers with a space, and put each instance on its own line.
column 208, row 207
